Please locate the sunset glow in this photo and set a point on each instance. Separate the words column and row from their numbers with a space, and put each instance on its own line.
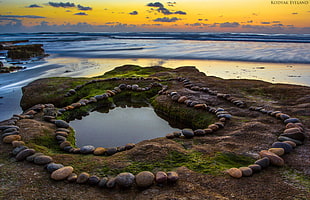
column 144, row 15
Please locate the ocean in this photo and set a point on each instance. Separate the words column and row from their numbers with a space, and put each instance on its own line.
column 276, row 58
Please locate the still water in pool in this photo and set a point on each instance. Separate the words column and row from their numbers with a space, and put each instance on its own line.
column 120, row 126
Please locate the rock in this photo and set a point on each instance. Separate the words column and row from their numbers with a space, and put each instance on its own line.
column 208, row 131
column 134, row 87
column 246, row 171
column 255, row 168
column 170, row 136
column 102, row 183
column 10, row 138
column 282, row 139
column 293, row 144
column 287, row 148
column 278, row 151
column 125, row 180
column 31, row 158
column 214, row 127
column 177, row 134
column 161, row 177
column 61, row 133
column 82, row 178
column 274, row 158
column 9, row 130
column 24, row 154
column 4, row 127
column 64, row 144
column 18, row 149
column 17, row 143
column 93, row 180
column 294, row 133
column 199, row 132
column 145, row 179
column 51, row 167
column 172, row 177
column 129, row 146
column 67, row 148
column 235, row 172
column 291, row 120
column 99, row 151
column 62, row 173
column 284, row 116
column 87, row 149
column 182, row 99
column 42, row 160
column 60, row 138
column 10, row 133
column 188, row 133
column 72, row 177
column 111, row 183
column 111, row 151
column 293, row 125
column 263, row 162
column 61, row 124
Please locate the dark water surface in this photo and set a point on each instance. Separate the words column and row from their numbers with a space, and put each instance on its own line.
column 120, row 126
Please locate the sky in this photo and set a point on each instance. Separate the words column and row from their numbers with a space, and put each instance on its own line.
column 259, row 16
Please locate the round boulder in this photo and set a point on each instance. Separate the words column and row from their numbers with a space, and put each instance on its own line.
column 274, row 158
column 42, row 160
column 145, row 179
column 87, row 149
column 287, row 148
column 24, row 154
column 51, row 167
column 61, row 124
column 62, row 173
column 125, row 180
column 93, row 180
column 235, row 172
column 255, row 168
column 99, row 151
column 188, row 133
column 82, row 178
column 10, row 138
column 246, row 171
column 263, row 162
column 161, row 177
column 172, row 177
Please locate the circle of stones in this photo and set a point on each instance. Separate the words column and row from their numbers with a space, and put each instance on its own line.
column 292, row 136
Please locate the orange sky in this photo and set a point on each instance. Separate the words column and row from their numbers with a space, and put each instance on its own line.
column 145, row 15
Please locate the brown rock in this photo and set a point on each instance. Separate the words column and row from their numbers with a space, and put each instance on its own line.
column 145, row 179
column 208, row 131
column 293, row 144
column 99, row 151
column 235, row 172
column 214, row 127
column 17, row 143
column 72, row 177
column 64, row 144
column 274, row 158
column 161, row 177
column 173, row 177
column 10, row 138
column 62, row 173
column 246, row 171
column 61, row 133
column 83, row 178
column 182, row 99
column 278, row 151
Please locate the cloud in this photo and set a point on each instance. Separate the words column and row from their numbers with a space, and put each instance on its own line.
column 265, row 22
column 161, row 9
column 156, row 5
column 22, row 16
column 171, row 3
column 80, row 7
column 133, row 13
column 276, row 22
column 180, row 12
column 229, row 25
column 81, row 13
column 295, row 13
column 61, row 5
column 166, row 19
column 34, row 6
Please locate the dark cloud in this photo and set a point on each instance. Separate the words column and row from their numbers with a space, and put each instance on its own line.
column 80, row 7
column 161, row 9
column 276, row 22
column 171, row 3
column 81, row 13
column 295, row 13
column 34, row 6
column 180, row 12
column 156, row 5
column 166, row 19
column 277, row 25
column 133, row 13
column 229, row 25
column 251, row 21
column 22, row 16
column 61, row 4
column 265, row 22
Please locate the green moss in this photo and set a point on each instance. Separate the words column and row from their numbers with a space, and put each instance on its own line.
column 196, row 119
column 193, row 160
column 297, row 178
column 133, row 71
